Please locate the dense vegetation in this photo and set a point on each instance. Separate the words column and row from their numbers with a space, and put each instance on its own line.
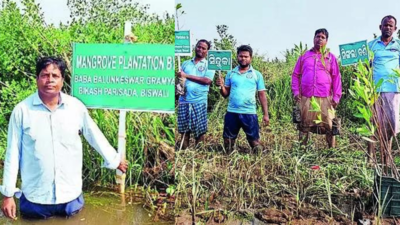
column 25, row 36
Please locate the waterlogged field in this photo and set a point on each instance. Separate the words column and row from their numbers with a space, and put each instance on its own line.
column 105, row 208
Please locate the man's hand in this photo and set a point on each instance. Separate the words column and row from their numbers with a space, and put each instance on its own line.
column 181, row 74
column 123, row 166
column 297, row 98
column 266, row 119
column 9, row 208
column 220, row 82
column 334, row 104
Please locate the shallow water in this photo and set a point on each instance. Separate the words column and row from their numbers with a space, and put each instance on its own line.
column 99, row 210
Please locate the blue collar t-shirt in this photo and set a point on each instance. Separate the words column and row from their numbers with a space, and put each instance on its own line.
column 195, row 92
column 242, row 97
column 386, row 58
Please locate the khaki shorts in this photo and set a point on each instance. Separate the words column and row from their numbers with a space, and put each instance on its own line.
column 308, row 118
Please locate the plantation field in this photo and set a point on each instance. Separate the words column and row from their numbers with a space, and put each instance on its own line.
column 285, row 183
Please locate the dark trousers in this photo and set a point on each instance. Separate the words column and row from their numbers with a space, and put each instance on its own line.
column 235, row 121
column 39, row 211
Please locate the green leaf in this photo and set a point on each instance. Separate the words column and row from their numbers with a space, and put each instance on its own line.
column 369, row 140
column 318, row 120
column 171, row 189
column 379, row 84
column 358, row 115
column 315, row 105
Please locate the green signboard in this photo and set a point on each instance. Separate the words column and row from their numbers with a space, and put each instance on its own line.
column 219, row 60
column 182, row 43
column 137, row 77
column 353, row 52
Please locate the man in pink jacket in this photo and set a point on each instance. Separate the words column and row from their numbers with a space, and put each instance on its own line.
column 317, row 75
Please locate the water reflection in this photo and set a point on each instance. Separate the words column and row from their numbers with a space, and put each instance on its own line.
column 101, row 210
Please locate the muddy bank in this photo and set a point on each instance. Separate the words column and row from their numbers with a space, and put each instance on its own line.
column 280, row 217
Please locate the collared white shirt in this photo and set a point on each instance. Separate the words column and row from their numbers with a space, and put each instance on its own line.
column 46, row 147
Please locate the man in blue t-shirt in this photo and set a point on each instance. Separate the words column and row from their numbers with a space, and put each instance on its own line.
column 241, row 85
column 192, row 109
column 386, row 49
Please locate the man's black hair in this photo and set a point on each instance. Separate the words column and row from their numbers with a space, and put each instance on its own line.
column 205, row 41
column 389, row 17
column 245, row 48
column 43, row 62
column 322, row 30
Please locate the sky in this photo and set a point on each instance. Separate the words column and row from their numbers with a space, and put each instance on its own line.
column 56, row 11
column 272, row 26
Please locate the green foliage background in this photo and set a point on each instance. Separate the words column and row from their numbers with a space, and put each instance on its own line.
column 25, row 36
column 277, row 77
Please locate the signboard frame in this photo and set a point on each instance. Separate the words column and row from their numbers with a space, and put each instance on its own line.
column 190, row 44
column 218, row 52
column 137, row 103
column 351, row 53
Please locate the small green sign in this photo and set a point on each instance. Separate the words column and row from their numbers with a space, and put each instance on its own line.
column 219, row 60
column 137, row 77
column 182, row 43
column 353, row 52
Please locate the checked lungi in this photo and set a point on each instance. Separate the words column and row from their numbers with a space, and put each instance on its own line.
column 192, row 117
